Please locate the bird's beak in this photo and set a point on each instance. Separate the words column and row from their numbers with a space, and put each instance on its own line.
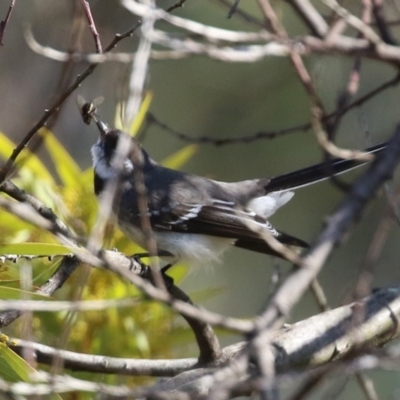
column 102, row 126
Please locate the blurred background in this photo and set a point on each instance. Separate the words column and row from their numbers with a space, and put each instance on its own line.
column 198, row 96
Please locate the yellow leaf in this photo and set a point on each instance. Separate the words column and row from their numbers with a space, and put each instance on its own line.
column 17, row 367
column 34, row 249
column 16, row 363
column 9, row 293
column 27, row 159
column 181, row 157
column 86, row 177
column 141, row 116
column 67, row 169
column 119, row 112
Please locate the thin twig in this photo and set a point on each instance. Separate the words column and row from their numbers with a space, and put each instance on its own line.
column 233, row 9
column 92, row 25
column 3, row 23
column 311, row 17
column 381, row 22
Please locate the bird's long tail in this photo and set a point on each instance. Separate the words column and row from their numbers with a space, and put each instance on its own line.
column 318, row 172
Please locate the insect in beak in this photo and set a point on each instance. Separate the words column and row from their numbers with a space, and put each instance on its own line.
column 88, row 111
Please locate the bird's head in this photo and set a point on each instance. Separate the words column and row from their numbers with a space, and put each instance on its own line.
column 115, row 155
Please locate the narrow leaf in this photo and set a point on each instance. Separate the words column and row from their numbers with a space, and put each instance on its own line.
column 9, row 293
column 67, row 169
column 181, row 157
column 30, row 160
column 15, row 365
column 141, row 116
column 34, row 249
column 118, row 116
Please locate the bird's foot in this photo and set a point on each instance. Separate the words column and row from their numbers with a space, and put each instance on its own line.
column 147, row 273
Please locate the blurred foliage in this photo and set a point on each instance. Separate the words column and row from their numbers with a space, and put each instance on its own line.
column 127, row 332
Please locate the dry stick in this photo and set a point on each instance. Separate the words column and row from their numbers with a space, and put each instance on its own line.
column 4, row 171
column 319, row 295
column 178, row 4
column 104, row 364
column 381, row 22
column 310, row 16
column 47, row 384
column 92, row 25
column 314, row 342
column 242, row 14
column 233, row 9
column 3, row 24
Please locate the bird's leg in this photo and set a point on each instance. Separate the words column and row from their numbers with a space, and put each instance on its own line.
column 146, row 270
column 147, row 274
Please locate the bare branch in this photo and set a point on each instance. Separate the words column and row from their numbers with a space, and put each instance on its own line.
column 307, row 344
column 312, row 18
column 92, row 25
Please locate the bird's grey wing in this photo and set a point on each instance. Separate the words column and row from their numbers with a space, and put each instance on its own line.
column 221, row 219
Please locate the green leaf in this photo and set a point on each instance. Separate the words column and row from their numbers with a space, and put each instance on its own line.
column 29, row 160
column 9, row 273
column 34, row 249
column 67, row 169
column 181, row 157
column 9, row 293
column 140, row 118
column 15, row 368
column 13, row 223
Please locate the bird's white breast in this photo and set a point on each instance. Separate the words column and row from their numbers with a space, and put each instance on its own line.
column 183, row 246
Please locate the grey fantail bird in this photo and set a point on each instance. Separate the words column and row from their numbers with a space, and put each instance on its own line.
column 193, row 217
